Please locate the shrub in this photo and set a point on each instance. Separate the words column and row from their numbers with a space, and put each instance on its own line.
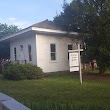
column 21, row 71
column 33, row 72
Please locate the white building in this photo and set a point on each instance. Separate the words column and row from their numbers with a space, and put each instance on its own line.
column 42, row 44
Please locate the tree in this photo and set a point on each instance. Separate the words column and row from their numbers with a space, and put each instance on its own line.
column 67, row 19
column 4, row 46
column 92, row 19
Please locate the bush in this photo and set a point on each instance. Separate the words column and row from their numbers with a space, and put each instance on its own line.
column 21, row 71
column 32, row 71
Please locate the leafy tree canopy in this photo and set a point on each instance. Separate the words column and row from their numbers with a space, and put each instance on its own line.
column 4, row 46
column 6, row 30
column 91, row 18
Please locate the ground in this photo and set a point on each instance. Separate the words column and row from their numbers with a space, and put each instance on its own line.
column 63, row 90
column 95, row 76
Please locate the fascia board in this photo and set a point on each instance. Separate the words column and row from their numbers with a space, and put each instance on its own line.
column 37, row 30
column 15, row 34
column 53, row 31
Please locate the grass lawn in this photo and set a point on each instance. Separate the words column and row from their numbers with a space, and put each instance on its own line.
column 60, row 91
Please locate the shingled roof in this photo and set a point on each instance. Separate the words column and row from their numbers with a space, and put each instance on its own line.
column 47, row 25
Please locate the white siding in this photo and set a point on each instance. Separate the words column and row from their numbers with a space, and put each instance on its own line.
column 43, row 53
column 40, row 45
column 23, row 55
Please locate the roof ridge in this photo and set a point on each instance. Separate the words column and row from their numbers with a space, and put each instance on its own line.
column 46, row 24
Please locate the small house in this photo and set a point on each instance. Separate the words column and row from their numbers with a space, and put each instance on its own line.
column 42, row 44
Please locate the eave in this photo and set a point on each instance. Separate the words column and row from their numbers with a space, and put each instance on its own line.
column 37, row 30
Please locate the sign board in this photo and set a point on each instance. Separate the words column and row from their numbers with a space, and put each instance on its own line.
column 73, row 59
column 74, row 69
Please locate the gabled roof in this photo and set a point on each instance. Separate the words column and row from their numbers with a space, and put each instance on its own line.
column 41, row 27
column 47, row 25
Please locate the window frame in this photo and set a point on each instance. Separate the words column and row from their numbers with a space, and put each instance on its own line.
column 55, row 53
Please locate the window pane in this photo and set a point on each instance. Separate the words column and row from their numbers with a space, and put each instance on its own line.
column 15, row 58
column 29, row 48
column 30, row 57
column 70, row 47
column 52, row 48
column 53, row 56
column 21, row 47
column 15, row 50
column 29, row 53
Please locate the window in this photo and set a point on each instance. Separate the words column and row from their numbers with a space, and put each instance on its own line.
column 15, row 54
column 29, row 52
column 21, row 47
column 53, row 52
column 70, row 47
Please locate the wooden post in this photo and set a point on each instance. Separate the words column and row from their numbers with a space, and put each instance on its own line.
column 80, row 74
column 78, row 67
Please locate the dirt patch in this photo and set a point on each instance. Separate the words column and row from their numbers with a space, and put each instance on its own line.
column 96, row 76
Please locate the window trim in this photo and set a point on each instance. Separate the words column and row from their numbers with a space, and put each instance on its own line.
column 53, row 52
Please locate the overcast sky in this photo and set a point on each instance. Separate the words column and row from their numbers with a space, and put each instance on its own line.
column 24, row 13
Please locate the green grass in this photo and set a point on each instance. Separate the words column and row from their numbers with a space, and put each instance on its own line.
column 59, row 93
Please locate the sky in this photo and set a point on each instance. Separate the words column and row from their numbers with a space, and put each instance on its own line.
column 24, row 13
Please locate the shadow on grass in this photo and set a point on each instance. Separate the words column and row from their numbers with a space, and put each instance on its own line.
column 61, row 73
column 62, row 106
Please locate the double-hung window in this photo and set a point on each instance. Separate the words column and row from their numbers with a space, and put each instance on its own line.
column 53, row 52
column 30, row 52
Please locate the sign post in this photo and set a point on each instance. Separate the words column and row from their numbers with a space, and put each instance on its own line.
column 75, row 61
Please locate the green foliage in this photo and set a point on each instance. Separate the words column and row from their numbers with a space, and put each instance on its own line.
column 32, row 71
column 4, row 47
column 4, row 50
column 20, row 72
column 67, row 19
column 91, row 19
column 7, row 29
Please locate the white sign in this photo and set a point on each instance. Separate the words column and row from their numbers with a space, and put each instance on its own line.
column 74, row 69
column 73, row 59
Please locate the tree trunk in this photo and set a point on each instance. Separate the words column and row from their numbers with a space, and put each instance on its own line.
column 102, row 70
